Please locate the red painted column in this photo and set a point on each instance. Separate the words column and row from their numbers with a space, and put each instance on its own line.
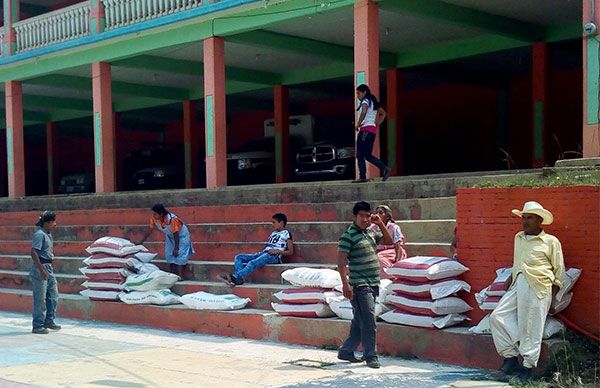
column 366, row 57
column 15, row 143
column 282, row 133
column 591, row 83
column 12, row 11
column 214, row 112
column 539, row 79
column 191, row 143
column 51, row 143
column 97, row 17
column 395, row 126
column 104, row 130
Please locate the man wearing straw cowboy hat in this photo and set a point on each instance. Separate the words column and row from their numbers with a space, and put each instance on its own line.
column 517, row 323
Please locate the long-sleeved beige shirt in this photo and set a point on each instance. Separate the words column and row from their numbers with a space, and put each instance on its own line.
column 540, row 260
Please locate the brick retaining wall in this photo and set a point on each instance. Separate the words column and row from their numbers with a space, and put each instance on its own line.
column 486, row 229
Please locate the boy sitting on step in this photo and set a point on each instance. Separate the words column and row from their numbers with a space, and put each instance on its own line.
column 279, row 244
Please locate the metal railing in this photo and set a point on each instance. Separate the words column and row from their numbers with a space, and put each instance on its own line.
column 120, row 13
column 54, row 27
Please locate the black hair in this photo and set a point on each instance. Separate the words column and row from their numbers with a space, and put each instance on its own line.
column 365, row 89
column 160, row 209
column 361, row 206
column 280, row 217
column 46, row 217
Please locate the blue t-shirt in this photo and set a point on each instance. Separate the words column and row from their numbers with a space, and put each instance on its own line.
column 43, row 244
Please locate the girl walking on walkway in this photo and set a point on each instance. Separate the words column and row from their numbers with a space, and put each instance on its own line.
column 370, row 116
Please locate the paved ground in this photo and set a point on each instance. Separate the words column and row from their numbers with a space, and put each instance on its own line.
column 97, row 354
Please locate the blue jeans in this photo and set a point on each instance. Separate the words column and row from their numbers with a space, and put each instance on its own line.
column 253, row 261
column 363, row 328
column 45, row 296
column 364, row 152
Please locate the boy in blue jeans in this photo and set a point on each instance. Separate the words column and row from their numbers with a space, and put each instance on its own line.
column 279, row 244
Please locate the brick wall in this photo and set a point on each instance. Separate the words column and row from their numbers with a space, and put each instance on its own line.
column 486, row 229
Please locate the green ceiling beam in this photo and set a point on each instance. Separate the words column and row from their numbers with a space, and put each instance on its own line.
column 118, row 87
column 57, row 102
column 318, row 73
column 563, row 32
column 29, row 117
column 195, row 68
column 457, row 49
column 305, row 46
column 236, row 21
column 466, row 17
column 167, row 65
column 139, row 103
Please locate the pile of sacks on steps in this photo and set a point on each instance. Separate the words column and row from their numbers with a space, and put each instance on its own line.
column 313, row 288
column 120, row 270
column 317, row 293
column 490, row 296
column 424, row 292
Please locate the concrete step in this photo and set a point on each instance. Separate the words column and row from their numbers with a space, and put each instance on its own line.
column 413, row 230
column 261, row 295
column 67, row 283
column 404, row 209
column 196, row 270
column 454, row 346
column 433, row 186
column 318, row 252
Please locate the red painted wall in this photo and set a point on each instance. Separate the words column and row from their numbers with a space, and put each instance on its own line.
column 486, row 229
column 245, row 127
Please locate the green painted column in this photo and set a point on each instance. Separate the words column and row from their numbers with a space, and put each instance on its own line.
column 591, row 83
column 12, row 10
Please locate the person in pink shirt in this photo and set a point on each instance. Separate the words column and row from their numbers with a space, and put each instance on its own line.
column 388, row 255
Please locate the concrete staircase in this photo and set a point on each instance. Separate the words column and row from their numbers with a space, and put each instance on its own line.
column 223, row 224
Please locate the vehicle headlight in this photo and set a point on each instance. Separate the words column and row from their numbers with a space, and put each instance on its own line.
column 244, row 164
column 159, row 173
column 346, row 152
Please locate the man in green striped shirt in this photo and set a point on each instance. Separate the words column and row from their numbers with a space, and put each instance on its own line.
column 359, row 269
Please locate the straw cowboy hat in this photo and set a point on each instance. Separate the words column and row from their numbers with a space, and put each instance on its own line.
column 533, row 207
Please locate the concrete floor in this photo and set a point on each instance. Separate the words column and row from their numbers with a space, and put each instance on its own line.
column 98, row 354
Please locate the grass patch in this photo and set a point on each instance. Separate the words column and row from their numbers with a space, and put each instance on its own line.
column 552, row 179
column 576, row 365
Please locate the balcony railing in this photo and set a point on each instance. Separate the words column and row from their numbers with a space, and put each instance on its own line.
column 74, row 22
column 54, row 27
column 120, row 13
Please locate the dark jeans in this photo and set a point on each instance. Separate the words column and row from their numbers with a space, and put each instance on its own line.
column 363, row 328
column 45, row 297
column 364, row 151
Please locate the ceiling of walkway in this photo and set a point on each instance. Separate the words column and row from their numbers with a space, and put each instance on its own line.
column 301, row 51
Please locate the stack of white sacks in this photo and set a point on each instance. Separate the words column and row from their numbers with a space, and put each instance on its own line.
column 313, row 288
column 490, row 296
column 317, row 293
column 120, row 270
column 424, row 292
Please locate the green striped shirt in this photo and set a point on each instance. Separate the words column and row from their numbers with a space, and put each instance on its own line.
column 361, row 246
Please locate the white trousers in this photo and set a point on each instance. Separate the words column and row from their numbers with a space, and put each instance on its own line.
column 517, row 323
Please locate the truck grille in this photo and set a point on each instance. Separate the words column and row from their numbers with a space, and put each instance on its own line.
column 316, row 154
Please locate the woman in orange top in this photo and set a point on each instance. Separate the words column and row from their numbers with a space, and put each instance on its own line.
column 178, row 243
